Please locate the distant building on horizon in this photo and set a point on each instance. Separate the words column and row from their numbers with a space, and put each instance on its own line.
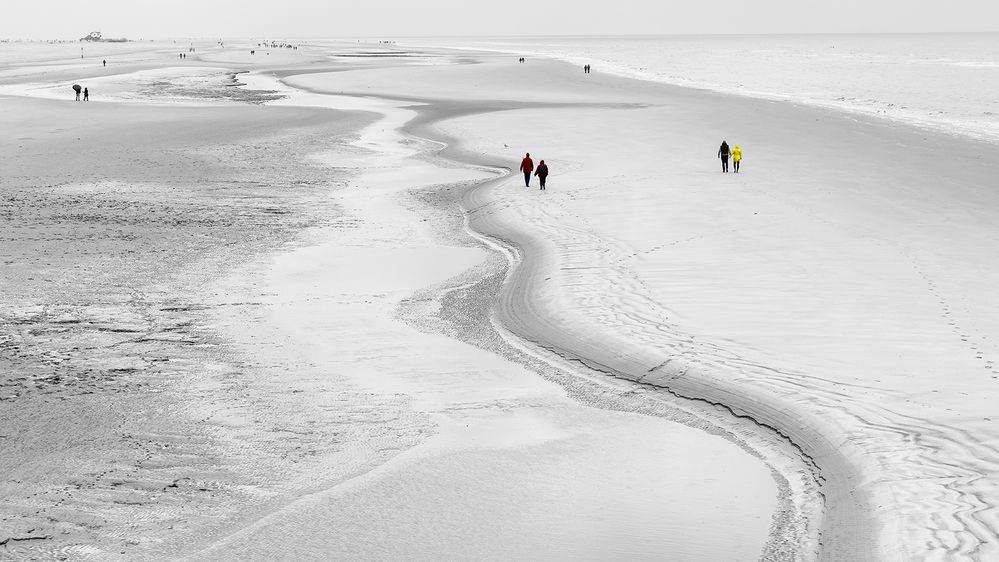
column 95, row 37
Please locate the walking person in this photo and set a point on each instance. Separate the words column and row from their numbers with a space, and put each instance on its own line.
column 723, row 153
column 527, row 166
column 736, row 158
column 542, row 173
column 77, row 89
column 105, row 61
column 86, row 94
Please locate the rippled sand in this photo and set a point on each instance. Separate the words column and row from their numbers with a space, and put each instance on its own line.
column 231, row 322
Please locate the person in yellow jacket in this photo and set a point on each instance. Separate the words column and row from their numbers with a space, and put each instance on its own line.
column 736, row 158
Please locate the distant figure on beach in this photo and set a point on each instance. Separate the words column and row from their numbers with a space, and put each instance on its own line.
column 77, row 89
column 736, row 158
column 105, row 61
column 723, row 154
column 586, row 69
column 542, row 173
column 527, row 166
column 521, row 59
column 86, row 94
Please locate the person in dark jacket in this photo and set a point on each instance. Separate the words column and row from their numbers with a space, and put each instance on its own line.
column 527, row 166
column 723, row 152
column 86, row 94
column 542, row 173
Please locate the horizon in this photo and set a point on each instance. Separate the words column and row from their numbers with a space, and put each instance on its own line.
column 153, row 19
column 482, row 36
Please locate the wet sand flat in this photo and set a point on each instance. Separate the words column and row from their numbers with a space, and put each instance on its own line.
column 510, row 451
column 118, row 219
column 837, row 290
column 233, row 320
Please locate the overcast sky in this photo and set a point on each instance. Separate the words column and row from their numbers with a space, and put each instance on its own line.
column 149, row 19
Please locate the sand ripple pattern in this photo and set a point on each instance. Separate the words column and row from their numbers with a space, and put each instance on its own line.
column 932, row 486
column 133, row 423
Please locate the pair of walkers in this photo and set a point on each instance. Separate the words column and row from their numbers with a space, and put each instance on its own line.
column 527, row 166
column 78, row 90
column 724, row 153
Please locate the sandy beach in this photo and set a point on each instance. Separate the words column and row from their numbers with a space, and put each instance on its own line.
column 300, row 305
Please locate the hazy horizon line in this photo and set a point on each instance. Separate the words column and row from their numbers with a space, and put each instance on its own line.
column 510, row 36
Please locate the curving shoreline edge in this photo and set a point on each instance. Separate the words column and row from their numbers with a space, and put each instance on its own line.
column 844, row 532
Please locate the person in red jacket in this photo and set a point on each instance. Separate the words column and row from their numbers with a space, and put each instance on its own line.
column 542, row 173
column 527, row 166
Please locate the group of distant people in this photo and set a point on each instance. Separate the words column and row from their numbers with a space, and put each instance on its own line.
column 527, row 166
column 724, row 152
column 586, row 67
column 86, row 91
column 541, row 172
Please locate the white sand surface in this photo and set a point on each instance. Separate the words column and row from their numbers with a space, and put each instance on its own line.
column 837, row 289
column 515, row 468
column 324, row 363
column 224, row 343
